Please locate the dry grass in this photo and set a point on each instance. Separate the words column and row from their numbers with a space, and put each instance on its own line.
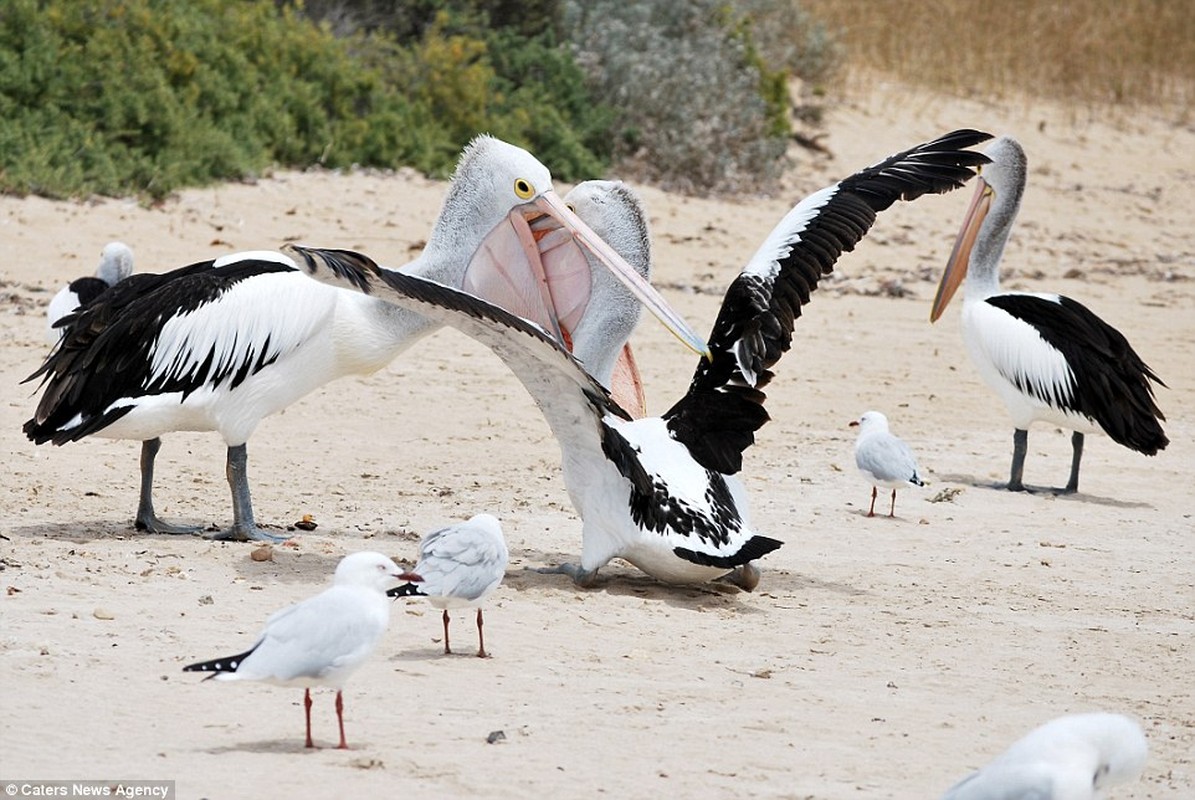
column 1101, row 52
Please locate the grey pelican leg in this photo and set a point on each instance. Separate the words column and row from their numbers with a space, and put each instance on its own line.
column 147, row 520
column 1020, row 444
column 1072, row 485
column 582, row 577
column 244, row 527
column 746, row 577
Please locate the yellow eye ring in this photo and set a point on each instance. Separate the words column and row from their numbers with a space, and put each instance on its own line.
column 523, row 188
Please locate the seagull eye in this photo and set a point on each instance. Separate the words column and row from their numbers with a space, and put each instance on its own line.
column 523, row 188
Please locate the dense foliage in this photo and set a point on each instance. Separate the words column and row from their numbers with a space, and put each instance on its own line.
column 145, row 96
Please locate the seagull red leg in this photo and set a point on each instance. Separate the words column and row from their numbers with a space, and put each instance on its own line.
column 307, row 708
column 340, row 718
column 892, row 511
column 447, row 652
column 871, row 512
column 480, row 638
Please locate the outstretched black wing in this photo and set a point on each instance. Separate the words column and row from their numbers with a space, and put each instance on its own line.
column 718, row 416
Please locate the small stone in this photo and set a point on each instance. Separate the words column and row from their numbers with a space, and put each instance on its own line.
column 495, row 737
column 103, row 613
column 263, row 553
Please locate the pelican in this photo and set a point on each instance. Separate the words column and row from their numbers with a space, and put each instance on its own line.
column 1048, row 357
column 116, row 264
column 219, row 345
column 322, row 640
column 663, row 492
column 1074, row 757
column 459, row 567
column 883, row 459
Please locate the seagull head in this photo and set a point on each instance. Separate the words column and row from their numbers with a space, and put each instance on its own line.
column 372, row 570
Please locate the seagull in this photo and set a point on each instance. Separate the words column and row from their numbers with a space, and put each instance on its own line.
column 221, row 344
column 1048, row 357
column 1074, row 757
column 322, row 640
column 663, row 492
column 116, row 264
column 459, row 567
column 883, row 459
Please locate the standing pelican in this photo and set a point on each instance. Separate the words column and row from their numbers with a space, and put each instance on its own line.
column 116, row 264
column 883, row 459
column 1048, row 357
column 1074, row 757
column 662, row 492
column 221, row 344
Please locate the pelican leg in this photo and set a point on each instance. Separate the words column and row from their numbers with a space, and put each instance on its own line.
column 1072, row 485
column 746, row 577
column 447, row 651
column 584, row 578
column 871, row 512
column 1020, row 444
column 480, row 639
column 340, row 719
column 244, row 527
column 307, row 709
column 892, row 510
column 147, row 520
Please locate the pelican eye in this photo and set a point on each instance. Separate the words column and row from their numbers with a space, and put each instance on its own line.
column 524, row 189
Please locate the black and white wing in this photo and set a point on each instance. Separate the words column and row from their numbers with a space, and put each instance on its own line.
column 723, row 408
column 1092, row 369
column 209, row 324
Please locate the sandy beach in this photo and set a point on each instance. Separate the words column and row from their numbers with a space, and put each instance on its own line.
column 879, row 658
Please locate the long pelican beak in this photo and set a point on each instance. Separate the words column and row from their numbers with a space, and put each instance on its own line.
column 532, row 265
column 960, row 256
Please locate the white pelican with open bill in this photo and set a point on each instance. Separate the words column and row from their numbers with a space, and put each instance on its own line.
column 663, row 492
column 221, row 344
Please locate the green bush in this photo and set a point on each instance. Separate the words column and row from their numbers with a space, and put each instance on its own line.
column 146, row 96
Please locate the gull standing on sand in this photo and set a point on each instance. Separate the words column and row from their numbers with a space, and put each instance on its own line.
column 883, row 459
column 459, row 567
column 663, row 492
column 222, row 344
column 1075, row 757
column 322, row 640
column 116, row 264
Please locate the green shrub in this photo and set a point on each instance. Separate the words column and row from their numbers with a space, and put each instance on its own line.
column 145, row 96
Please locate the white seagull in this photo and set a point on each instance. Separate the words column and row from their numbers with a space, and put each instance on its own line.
column 662, row 492
column 1075, row 757
column 883, row 459
column 116, row 264
column 219, row 345
column 459, row 567
column 1048, row 357
column 322, row 640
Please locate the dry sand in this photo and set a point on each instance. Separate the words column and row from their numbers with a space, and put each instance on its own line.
column 879, row 657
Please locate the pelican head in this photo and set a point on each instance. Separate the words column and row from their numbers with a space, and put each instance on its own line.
column 988, row 221
column 532, row 254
